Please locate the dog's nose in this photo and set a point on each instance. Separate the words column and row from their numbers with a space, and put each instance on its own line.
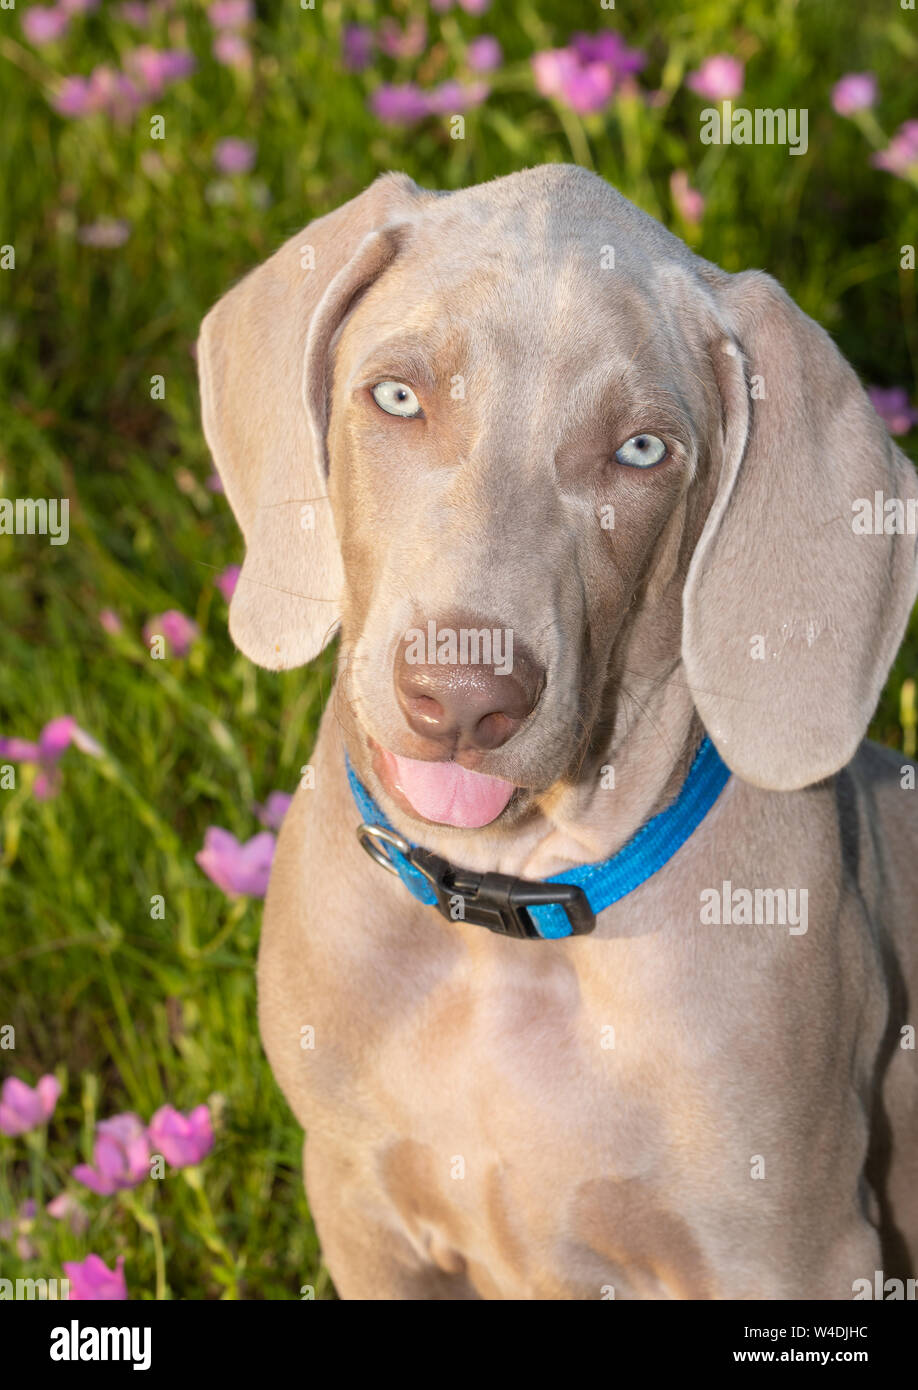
column 465, row 684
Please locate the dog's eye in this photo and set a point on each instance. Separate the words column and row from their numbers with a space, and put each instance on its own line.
column 395, row 398
column 641, row 451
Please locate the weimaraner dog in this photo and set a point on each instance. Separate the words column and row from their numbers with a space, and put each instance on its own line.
column 620, row 555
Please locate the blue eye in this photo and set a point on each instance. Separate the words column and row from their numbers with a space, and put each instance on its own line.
column 641, row 451
column 395, row 398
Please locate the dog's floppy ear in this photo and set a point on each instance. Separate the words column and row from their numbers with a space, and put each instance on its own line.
column 262, row 364
column 794, row 607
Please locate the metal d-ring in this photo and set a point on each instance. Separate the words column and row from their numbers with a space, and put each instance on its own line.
column 370, row 836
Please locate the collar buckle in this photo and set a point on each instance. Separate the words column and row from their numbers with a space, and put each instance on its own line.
column 498, row 902
column 373, row 837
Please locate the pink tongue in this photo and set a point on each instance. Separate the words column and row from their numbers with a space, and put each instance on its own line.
column 450, row 794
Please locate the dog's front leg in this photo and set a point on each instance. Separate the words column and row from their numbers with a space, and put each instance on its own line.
column 366, row 1248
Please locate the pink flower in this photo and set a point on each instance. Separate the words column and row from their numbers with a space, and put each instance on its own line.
column 585, row 87
column 452, row 97
column 65, row 1207
column 41, row 25
column 893, row 408
column 57, row 736
column 107, row 90
column 121, row 1154
column 475, row 6
column 107, row 234
column 552, row 68
column 687, row 201
column 901, row 154
column 232, row 51
column 357, row 47
column 232, row 156
column 140, row 13
column 109, row 620
column 586, row 73
column 227, row 580
column 19, row 750
column 182, row 1140
column 135, row 12
column 274, row 809
column 214, row 483
column 589, row 89
column 400, row 103
column 46, row 786
column 484, row 54
column 608, row 47
column 74, row 97
column 403, row 43
column 719, row 78
column 237, row 868
column 53, row 741
column 176, row 64
column 155, row 68
column 231, row 14
column 79, row 6
column 115, row 93
column 91, row 1280
column 25, row 1107
column 854, row 92
column 178, row 631
column 145, row 63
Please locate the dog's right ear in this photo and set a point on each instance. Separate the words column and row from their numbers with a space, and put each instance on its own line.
column 262, row 364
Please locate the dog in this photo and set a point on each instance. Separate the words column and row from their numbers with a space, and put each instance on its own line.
column 633, row 1013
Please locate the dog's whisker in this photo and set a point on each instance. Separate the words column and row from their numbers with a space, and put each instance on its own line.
column 278, row 589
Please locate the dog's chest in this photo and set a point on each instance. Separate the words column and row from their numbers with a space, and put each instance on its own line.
column 519, row 1126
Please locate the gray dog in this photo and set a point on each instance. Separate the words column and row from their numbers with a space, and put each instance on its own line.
column 621, row 556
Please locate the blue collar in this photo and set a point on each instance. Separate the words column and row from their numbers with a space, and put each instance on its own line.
column 592, row 887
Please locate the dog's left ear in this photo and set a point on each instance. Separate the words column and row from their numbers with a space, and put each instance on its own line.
column 795, row 601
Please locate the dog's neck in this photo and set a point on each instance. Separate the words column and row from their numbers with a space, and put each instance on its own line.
column 636, row 778
column 590, row 818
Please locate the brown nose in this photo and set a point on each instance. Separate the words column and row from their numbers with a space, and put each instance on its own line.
column 464, row 684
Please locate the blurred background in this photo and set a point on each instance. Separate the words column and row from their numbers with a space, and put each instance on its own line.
column 152, row 151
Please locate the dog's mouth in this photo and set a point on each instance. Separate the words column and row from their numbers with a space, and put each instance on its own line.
column 442, row 793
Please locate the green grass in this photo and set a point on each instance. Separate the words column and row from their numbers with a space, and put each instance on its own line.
column 132, row 1011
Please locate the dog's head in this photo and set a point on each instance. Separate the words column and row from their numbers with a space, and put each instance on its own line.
column 537, row 459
